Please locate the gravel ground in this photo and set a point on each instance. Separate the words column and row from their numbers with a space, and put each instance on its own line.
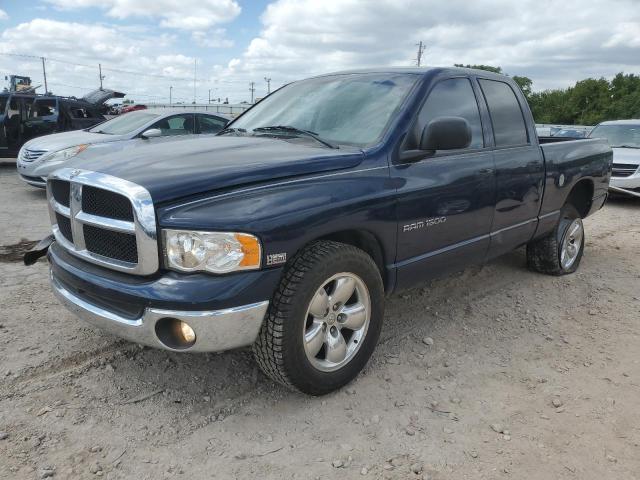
column 493, row 373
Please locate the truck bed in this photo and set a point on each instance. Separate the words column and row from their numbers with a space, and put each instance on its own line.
column 568, row 160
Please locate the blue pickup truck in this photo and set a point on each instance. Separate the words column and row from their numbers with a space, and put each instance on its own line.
column 286, row 231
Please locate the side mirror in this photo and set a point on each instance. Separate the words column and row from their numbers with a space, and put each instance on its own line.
column 446, row 133
column 441, row 133
column 151, row 133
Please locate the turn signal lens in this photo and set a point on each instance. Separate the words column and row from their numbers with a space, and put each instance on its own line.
column 250, row 249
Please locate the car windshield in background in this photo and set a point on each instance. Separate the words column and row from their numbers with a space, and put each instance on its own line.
column 43, row 108
column 619, row 135
column 3, row 104
column 352, row 109
column 127, row 123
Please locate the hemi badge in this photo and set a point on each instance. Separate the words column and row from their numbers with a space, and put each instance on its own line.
column 276, row 258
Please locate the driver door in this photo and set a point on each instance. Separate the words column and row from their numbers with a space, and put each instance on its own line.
column 445, row 200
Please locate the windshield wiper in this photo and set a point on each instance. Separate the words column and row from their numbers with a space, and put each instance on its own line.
column 295, row 131
column 231, row 130
column 624, row 146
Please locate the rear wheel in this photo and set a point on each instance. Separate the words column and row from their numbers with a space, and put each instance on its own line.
column 560, row 252
column 324, row 320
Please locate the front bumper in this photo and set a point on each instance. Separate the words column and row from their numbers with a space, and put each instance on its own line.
column 215, row 330
column 39, row 182
column 225, row 312
column 631, row 182
column 35, row 173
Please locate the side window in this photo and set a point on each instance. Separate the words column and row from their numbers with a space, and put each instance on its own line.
column 211, row 124
column 176, row 125
column 451, row 98
column 14, row 108
column 509, row 128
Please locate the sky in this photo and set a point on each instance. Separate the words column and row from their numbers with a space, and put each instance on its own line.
column 147, row 46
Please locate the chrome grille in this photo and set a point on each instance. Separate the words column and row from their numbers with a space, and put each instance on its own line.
column 106, row 204
column 104, row 220
column 623, row 170
column 29, row 155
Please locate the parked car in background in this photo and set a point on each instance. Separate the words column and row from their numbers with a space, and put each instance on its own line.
column 14, row 112
column 624, row 138
column 569, row 133
column 287, row 230
column 26, row 116
column 132, row 108
column 42, row 155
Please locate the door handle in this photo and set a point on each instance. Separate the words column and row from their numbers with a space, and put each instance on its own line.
column 485, row 171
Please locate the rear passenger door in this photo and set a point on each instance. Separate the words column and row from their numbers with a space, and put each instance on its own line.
column 445, row 200
column 519, row 168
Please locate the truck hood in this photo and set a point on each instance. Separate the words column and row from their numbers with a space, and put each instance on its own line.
column 629, row 156
column 98, row 97
column 179, row 169
column 58, row 141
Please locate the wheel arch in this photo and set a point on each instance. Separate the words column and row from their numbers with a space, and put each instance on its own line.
column 366, row 241
column 581, row 196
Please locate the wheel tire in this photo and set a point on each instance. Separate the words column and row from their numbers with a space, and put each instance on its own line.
column 280, row 347
column 544, row 254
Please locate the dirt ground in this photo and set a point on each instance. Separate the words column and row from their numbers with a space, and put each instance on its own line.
column 494, row 373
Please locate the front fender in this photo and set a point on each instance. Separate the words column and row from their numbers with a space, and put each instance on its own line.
column 289, row 214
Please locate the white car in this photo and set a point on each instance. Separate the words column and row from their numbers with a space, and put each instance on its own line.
column 624, row 138
column 41, row 156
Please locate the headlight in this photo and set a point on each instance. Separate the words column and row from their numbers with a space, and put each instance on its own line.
column 65, row 154
column 216, row 252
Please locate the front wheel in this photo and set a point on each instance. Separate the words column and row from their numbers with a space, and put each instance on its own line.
column 324, row 321
column 559, row 252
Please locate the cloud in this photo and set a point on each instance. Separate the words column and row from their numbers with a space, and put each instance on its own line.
column 74, row 71
column 216, row 38
column 3, row 15
column 555, row 43
column 185, row 14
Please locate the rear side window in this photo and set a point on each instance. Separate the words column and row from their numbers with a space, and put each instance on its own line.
column 450, row 98
column 210, row 124
column 43, row 108
column 509, row 128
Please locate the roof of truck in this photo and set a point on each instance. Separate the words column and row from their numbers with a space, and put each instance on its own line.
column 421, row 71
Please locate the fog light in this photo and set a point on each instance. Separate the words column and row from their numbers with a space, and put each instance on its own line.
column 175, row 334
column 187, row 332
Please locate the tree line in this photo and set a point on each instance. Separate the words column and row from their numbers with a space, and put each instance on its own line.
column 588, row 102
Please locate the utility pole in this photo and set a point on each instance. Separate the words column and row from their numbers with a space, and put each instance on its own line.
column 195, row 63
column 44, row 74
column 170, row 88
column 209, row 95
column 100, row 75
column 252, row 89
column 268, row 80
column 421, row 49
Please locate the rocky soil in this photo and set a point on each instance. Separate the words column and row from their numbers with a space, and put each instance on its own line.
column 493, row 373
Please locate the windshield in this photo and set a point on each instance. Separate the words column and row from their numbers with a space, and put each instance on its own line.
column 43, row 108
column 618, row 135
column 127, row 123
column 3, row 104
column 352, row 109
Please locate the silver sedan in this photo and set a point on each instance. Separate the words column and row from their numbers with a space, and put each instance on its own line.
column 41, row 156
